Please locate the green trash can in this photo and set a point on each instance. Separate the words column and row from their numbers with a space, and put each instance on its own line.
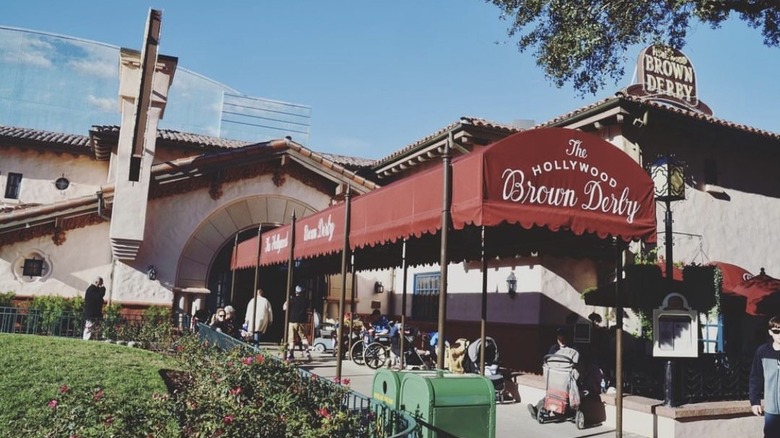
column 460, row 404
column 386, row 387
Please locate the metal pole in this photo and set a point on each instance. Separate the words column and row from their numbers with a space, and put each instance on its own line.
column 235, row 255
column 402, row 344
column 618, row 339
column 254, row 291
column 669, row 369
column 483, row 320
column 342, row 297
column 290, row 265
column 353, row 298
column 443, row 261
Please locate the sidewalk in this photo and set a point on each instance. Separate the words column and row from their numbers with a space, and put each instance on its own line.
column 512, row 419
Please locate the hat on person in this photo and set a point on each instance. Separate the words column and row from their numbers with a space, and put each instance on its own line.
column 298, row 289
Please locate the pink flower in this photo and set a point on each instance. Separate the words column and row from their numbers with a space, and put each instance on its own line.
column 53, row 404
column 247, row 360
column 235, row 391
column 228, row 419
column 64, row 389
column 345, row 381
column 323, row 412
column 259, row 358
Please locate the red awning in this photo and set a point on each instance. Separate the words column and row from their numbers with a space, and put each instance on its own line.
column 552, row 178
column 558, row 179
column 733, row 276
column 318, row 234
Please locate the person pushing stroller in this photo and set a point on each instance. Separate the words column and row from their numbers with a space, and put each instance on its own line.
column 562, row 396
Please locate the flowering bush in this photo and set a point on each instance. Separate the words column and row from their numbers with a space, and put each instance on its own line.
column 235, row 394
column 240, row 394
column 87, row 413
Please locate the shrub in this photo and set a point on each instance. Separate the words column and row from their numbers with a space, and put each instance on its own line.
column 94, row 412
column 7, row 299
column 235, row 394
column 240, row 394
column 57, row 314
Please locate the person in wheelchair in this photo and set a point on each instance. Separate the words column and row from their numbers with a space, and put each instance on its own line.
column 378, row 326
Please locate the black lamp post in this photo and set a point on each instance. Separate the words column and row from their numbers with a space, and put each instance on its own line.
column 669, row 180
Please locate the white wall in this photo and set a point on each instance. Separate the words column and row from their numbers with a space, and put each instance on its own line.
column 40, row 170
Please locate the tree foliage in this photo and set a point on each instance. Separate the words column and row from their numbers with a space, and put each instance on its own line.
column 586, row 41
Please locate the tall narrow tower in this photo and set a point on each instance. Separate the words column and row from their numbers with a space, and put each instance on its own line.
column 145, row 79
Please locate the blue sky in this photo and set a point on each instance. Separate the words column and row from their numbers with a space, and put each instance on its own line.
column 381, row 75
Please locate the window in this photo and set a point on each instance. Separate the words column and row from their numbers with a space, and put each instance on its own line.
column 425, row 299
column 12, row 185
column 33, row 267
column 710, row 172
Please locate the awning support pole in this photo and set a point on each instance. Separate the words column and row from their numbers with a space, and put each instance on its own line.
column 483, row 320
column 290, row 266
column 403, row 303
column 619, row 247
column 342, row 297
column 443, row 259
column 257, row 274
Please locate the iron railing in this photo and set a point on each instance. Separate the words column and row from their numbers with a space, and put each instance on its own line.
column 389, row 422
column 66, row 323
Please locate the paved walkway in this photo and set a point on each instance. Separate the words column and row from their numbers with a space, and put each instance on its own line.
column 512, row 419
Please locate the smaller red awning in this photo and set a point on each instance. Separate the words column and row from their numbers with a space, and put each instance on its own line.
column 318, row 234
column 733, row 276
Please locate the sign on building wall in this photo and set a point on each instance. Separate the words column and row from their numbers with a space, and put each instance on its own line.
column 667, row 75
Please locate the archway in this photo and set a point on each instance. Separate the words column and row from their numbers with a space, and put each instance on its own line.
column 205, row 259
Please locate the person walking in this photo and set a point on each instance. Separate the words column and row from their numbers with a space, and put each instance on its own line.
column 259, row 316
column 298, row 305
column 93, row 308
column 765, row 380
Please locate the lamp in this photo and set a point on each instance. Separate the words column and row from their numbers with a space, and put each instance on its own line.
column 511, row 284
column 668, row 179
column 151, row 272
column 378, row 287
column 668, row 175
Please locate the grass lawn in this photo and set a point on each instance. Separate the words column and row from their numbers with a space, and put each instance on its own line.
column 32, row 368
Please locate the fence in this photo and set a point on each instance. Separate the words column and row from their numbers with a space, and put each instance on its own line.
column 71, row 324
column 390, row 423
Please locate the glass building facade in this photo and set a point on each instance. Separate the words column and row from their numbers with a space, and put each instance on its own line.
column 63, row 84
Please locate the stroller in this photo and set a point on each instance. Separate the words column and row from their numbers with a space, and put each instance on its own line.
column 413, row 360
column 471, row 364
column 325, row 338
column 562, row 397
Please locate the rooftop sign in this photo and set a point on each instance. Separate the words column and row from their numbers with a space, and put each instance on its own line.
column 667, row 75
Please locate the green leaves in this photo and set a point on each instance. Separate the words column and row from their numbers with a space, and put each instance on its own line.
column 585, row 42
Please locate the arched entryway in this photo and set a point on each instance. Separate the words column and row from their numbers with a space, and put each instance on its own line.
column 205, row 260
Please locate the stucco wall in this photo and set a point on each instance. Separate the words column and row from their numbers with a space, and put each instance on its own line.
column 74, row 264
column 39, row 171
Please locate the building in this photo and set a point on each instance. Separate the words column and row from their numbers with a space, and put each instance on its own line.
column 163, row 232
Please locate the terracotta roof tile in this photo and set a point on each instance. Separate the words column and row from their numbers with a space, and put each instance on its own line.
column 76, row 143
column 688, row 113
column 185, row 138
column 474, row 121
